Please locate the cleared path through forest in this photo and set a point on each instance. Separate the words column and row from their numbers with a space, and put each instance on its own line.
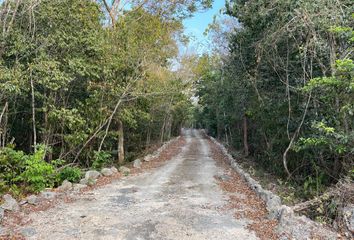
column 179, row 200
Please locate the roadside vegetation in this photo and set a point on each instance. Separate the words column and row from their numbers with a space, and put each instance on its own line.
column 281, row 92
column 86, row 84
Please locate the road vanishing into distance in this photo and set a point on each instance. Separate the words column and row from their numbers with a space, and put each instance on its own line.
column 179, row 200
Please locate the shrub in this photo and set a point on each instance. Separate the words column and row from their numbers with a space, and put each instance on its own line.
column 12, row 163
column 72, row 174
column 38, row 174
column 101, row 159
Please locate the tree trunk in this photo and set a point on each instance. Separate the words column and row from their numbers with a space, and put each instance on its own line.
column 33, row 115
column 226, row 136
column 169, row 127
column 3, row 126
column 120, row 143
column 218, row 129
column 47, row 134
column 245, row 137
column 230, row 134
column 148, row 138
column 162, row 134
column 285, row 161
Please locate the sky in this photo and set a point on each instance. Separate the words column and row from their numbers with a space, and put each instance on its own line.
column 195, row 27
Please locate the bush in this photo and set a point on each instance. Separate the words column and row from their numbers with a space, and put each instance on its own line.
column 72, row 174
column 19, row 171
column 12, row 164
column 101, row 159
column 38, row 174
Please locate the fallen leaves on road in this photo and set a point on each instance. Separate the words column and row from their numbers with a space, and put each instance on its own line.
column 243, row 200
column 167, row 154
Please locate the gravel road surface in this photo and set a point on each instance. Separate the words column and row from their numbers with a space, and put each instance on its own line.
column 179, row 200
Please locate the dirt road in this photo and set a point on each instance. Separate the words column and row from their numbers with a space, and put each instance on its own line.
column 180, row 200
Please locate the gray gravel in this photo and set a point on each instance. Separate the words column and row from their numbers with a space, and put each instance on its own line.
column 180, row 200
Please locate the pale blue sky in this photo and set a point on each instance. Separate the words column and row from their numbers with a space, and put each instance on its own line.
column 196, row 26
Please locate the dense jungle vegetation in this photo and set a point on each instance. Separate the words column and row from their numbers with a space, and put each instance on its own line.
column 282, row 90
column 85, row 84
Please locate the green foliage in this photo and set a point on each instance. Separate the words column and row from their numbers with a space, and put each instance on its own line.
column 12, row 164
column 67, row 79
column 81, row 69
column 72, row 174
column 313, row 186
column 38, row 174
column 19, row 170
column 326, row 139
column 286, row 82
column 101, row 159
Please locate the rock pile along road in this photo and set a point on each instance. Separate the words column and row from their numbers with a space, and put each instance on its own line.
column 182, row 199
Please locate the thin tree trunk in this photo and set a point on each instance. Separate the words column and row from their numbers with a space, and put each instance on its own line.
column 245, row 136
column 109, row 120
column 3, row 129
column 285, row 162
column 226, row 136
column 120, row 143
column 13, row 15
column 169, row 127
column 165, row 121
column 225, row 130
column 111, row 12
column 163, row 130
column 3, row 111
column 6, row 120
column 33, row 115
column 148, row 138
column 230, row 134
column 288, row 92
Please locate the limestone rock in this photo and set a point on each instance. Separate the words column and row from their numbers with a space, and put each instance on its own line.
column 32, row 199
column 10, row 203
column 48, row 195
column 273, row 206
column 88, row 182
column 78, row 187
column 91, row 182
column 148, row 158
column 124, row 170
column 348, row 215
column 84, row 181
column 224, row 178
column 137, row 163
column 114, row 169
column 92, row 174
column 65, row 186
column 2, row 213
column 106, row 172
column 28, row 232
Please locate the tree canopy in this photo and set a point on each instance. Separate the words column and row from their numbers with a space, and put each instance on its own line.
column 87, row 83
column 283, row 90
